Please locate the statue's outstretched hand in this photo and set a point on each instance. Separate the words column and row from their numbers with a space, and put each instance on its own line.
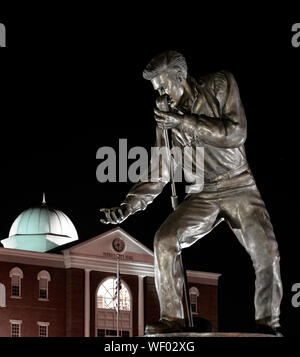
column 116, row 215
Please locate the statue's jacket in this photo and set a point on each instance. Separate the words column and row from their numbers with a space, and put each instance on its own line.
column 217, row 123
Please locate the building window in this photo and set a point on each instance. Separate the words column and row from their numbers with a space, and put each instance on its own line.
column 194, row 293
column 43, row 278
column 43, row 328
column 108, row 322
column 15, row 327
column 112, row 333
column 107, row 296
column 2, row 295
column 100, row 332
column 16, row 276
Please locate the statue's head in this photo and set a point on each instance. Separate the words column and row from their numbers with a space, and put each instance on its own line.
column 167, row 73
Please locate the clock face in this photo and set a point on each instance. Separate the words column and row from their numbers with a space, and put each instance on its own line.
column 118, row 245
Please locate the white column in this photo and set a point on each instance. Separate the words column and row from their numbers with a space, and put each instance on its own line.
column 141, row 306
column 87, row 302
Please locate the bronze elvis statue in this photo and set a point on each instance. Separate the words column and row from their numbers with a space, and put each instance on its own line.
column 205, row 112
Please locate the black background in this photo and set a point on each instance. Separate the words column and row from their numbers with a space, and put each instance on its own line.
column 71, row 82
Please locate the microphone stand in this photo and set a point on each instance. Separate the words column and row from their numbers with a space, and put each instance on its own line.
column 162, row 104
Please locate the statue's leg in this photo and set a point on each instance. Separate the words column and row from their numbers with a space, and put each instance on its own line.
column 250, row 221
column 191, row 220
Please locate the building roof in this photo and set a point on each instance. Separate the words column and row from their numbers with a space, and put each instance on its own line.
column 40, row 229
column 43, row 220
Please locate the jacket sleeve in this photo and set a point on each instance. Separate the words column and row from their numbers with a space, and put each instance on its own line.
column 151, row 182
column 230, row 129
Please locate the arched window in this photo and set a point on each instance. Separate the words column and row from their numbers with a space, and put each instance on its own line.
column 43, row 278
column 106, row 313
column 2, row 296
column 194, row 293
column 16, row 276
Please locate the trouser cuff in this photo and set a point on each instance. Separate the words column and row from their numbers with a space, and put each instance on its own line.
column 272, row 321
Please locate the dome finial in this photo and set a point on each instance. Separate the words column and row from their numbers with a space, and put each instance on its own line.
column 44, row 199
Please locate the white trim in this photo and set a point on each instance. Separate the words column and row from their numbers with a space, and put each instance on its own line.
column 43, row 323
column 201, row 277
column 194, row 290
column 18, row 256
column 70, row 260
column 113, row 231
column 16, row 321
column 67, row 259
column 134, row 268
column 107, row 265
column 87, row 303
column 2, row 295
column 43, row 274
column 141, row 315
column 16, row 271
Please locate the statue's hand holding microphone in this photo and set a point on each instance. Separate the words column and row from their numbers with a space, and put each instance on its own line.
column 165, row 118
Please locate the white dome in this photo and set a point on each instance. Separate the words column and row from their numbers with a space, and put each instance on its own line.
column 43, row 220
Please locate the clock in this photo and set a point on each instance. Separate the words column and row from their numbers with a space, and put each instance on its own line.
column 118, row 245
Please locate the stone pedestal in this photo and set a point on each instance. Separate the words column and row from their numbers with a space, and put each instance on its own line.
column 209, row 334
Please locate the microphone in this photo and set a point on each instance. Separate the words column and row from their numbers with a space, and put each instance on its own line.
column 163, row 104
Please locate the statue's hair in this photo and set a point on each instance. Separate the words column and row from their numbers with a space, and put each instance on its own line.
column 169, row 60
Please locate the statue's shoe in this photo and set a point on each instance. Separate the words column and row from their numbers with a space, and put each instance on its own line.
column 164, row 326
column 269, row 330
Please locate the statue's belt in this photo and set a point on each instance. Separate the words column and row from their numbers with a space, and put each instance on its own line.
column 230, row 174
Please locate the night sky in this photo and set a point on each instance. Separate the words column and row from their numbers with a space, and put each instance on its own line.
column 72, row 83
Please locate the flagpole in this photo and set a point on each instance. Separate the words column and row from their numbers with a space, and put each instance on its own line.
column 118, row 293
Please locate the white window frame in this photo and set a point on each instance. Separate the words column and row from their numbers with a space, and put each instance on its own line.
column 43, row 274
column 44, row 324
column 15, row 322
column 194, row 291
column 18, row 273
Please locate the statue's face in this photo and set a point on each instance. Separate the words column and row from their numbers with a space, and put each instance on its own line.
column 170, row 84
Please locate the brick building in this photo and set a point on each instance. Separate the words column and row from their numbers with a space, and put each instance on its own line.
column 70, row 290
